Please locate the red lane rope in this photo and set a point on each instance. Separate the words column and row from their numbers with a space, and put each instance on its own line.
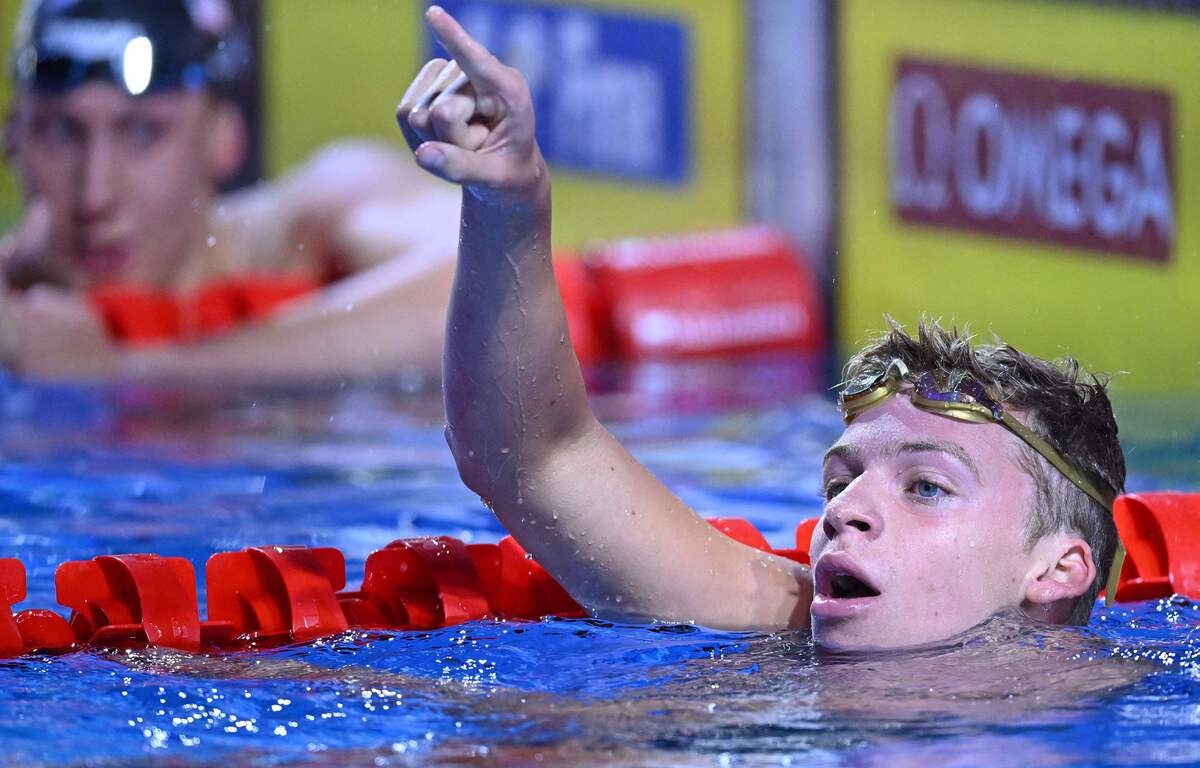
column 266, row 596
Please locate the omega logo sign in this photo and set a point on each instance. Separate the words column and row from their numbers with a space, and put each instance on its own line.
column 1075, row 163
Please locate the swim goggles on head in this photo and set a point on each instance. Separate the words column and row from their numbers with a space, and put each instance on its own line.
column 143, row 46
column 60, row 74
column 968, row 400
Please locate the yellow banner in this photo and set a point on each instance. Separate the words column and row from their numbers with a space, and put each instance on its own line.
column 337, row 69
column 10, row 194
column 1027, row 168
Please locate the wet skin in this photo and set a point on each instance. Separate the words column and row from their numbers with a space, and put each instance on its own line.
column 928, row 513
column 125, row 182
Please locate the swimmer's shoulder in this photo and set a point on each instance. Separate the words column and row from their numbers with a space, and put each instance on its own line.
column 341, row 192
column 249, row 232
column 350, row 169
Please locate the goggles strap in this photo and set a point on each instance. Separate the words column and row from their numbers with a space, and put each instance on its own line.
column 1114, row 574
column 1080, row 478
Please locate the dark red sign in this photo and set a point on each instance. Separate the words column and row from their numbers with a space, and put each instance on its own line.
column 1071, row 162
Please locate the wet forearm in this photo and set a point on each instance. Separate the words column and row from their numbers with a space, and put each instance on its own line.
column 513, row 387
column 379, row 322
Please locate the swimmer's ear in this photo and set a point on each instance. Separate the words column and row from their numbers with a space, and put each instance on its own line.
column 227, row 141
column 1061, row 570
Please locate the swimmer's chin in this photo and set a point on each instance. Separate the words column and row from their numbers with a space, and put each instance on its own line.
column 848, row 650
column 842, row 644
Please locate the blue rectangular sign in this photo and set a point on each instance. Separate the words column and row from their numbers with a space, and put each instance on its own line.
column 610, row 89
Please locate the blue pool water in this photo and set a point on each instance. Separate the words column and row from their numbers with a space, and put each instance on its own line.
column 87, row 472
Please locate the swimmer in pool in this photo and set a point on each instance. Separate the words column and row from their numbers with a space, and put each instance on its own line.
column 119, row 169
column 970, row 481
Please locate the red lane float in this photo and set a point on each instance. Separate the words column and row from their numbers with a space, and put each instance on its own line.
column 1161, row 532
column 524, row 589
column 423, row 583
column 137, row 315
column 31, row 630
column 277, row 594
column 711, row 294
column 264, row 596
column 585, row 315
column 122, row 600
column 12, row 591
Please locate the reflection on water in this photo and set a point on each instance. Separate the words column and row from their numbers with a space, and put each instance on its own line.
column 189, row 473
column 590, row 692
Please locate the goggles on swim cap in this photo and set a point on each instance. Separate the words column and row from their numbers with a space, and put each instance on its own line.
column 142, row 46
column 968, row 400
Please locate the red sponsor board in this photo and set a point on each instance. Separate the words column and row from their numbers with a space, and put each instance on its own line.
column 707, row 295
column 1071, row 162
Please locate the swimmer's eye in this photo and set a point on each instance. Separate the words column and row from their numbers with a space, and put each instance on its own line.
column 57, row 129
column 927, row 489
column 833, row 488
column 142, row 132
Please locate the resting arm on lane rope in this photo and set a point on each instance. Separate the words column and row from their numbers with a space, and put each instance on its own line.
column 519, row 423
column 363, row 205
column 356, row 208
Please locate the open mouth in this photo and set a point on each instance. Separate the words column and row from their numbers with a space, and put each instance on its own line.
column 838, row 577
column 848, row 586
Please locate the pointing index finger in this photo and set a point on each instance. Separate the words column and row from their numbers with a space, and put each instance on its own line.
column 476, row 61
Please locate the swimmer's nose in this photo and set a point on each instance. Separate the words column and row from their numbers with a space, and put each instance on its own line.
column 99, row 182
column 852, row 511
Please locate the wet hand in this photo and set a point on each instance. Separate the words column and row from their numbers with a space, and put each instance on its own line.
column 470, row 120
column 24, row 253
column 57, row 335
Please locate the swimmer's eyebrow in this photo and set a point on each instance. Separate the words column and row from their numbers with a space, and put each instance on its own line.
column 851, row 454
column 941, row 446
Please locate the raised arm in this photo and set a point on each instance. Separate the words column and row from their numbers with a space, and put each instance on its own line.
column 519, row 423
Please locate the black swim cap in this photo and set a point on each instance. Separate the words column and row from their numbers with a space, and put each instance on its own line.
column 140, row 45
